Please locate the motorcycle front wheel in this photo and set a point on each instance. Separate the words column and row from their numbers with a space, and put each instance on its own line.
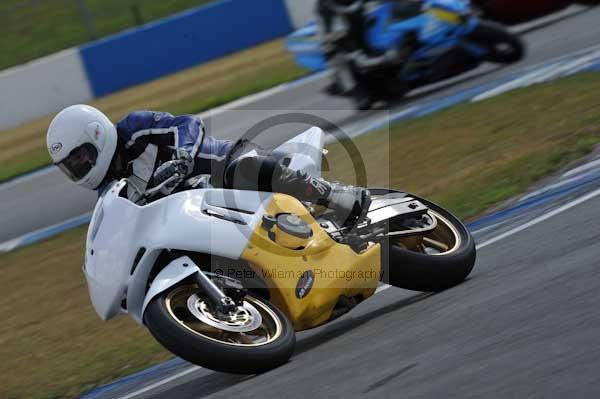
column 432, row 262
column 220, row 345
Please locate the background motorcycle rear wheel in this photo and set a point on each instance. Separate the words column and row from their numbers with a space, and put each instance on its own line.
column 419, row 264
column 173, row 325
column 505, row 47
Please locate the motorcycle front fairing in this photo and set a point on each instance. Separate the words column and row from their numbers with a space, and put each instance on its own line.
column 204, row 221
column 211, row 221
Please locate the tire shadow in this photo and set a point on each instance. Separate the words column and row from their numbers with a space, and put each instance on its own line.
column 214, row 382
column 347, row 324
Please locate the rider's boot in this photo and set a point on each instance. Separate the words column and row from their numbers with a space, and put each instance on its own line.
column 347, row 200
column 350, row 203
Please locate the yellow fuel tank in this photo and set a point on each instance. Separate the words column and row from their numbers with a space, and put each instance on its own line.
column 306, row 276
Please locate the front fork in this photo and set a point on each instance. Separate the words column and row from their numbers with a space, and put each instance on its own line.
column 222, row 300
column 222, row 303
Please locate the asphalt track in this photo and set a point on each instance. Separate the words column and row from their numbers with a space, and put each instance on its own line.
column 48, row 198
column 524, row 325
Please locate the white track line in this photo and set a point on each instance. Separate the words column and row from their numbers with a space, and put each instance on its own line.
column 384, row 287
column 161, row 382
column 540, row 219
column 493, row 226
column 582, row 168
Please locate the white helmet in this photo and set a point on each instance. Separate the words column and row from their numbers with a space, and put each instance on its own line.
column 82, row 142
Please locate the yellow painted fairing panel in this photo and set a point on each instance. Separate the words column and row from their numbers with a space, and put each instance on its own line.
column 330, row 269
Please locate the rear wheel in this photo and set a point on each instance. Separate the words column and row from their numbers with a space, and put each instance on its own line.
column 432, row 262
column 504, row 46
column 257, row 338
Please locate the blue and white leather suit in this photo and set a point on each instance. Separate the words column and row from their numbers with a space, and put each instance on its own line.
column 152, row 138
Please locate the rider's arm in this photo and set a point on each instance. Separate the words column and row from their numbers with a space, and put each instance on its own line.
column 196, row 154
column 161, row 128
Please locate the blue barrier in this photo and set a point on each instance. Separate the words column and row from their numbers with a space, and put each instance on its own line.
column 181, row 41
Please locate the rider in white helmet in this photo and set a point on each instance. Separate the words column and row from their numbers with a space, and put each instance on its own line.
column 82, row 142
column 154, row 148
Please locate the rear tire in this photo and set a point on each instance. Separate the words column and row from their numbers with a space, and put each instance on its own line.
column 417, row 271
column 211, row 353
column 504, row 46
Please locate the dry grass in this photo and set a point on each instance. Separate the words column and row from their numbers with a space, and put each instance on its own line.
column 51, row 342
column 189, row 91
column 467, row 158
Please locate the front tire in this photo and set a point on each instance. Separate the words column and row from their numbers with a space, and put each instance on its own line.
column 408, row 263
column 504, row 46
column 187, row 337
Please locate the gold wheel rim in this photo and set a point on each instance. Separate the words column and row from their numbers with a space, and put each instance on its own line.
column 444, row 233
column 269, row 330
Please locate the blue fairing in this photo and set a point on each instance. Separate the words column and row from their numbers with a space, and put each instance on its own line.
column 305, row 44
column 384, row 35
column 437, row 36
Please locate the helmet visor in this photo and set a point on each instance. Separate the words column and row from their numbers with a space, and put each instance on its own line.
column 79, row 162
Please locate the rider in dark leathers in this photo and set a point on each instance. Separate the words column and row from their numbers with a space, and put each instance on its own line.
column 153, row 146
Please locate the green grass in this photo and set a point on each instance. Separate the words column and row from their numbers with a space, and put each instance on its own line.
column 467, row 158
column 23, row 149
column 34, row 28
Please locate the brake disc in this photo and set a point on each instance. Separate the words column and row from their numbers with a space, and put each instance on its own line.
column 244, row 318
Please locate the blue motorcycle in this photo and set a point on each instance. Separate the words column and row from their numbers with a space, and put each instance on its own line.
column 399, row 49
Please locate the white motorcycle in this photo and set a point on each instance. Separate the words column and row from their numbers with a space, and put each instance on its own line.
column 224, row 278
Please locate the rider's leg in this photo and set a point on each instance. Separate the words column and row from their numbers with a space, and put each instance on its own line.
column 265, row 173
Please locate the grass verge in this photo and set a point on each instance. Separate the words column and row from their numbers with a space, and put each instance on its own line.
column 467, row 158
column 187, row 92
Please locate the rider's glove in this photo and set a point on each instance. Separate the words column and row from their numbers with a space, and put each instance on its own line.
column 183, row 155
column 171, row 173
